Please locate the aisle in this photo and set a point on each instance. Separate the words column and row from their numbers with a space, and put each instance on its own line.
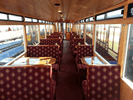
column 68, row 89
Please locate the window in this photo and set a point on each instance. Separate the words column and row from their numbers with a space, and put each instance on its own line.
column 47, row 30
column 100, row 17
column 107, row 41
column 51, row 28
column 28, row 19
column 3, row 16
column 68, row 27
column 40, row 21
column 115, row 14
column 34, row 20
column 89, row 33
column 87, row 19
column 15, row 18
column 11, row 42
column 82, row 31
column 128, row 67
column 59, row 26
column 32, row 34
column 71, row 26
column 42, row 31
column 91, row 19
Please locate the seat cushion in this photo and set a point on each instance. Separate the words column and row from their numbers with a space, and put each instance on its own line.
column 55, row 66
column 82, row 66
column 54, row 86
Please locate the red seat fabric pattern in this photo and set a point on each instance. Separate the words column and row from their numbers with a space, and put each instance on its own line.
column 82, row 51
column 52, row 42
column 103, row 82
column 44, row 51
column 75, row 43
column 26, row 83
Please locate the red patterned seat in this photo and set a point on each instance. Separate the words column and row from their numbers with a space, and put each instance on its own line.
column 75, row 43
column 72, row 37
column 26, row 83
column 83, row 51
column 44, row 51
column 52, row 42
column 103, row 82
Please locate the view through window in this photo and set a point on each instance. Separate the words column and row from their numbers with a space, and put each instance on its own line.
column 32, row 34
column 107, row 41
column 42, row 31
column 11, row 42
column 128, row 69
column 82, row 31
column 89, row 33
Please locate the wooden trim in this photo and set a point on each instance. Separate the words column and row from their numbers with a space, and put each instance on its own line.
column 122, row 46
column 25, row 38
column 39, row 33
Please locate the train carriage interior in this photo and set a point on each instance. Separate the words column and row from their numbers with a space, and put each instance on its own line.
column 66, row 50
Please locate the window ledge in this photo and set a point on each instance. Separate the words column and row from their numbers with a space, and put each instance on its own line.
column 105, row 61
column 128, row 82
column 19, row 56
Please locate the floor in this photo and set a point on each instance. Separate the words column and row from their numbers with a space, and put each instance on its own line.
column 67, row 88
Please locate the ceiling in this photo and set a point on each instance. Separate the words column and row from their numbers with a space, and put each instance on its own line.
column 73, row 10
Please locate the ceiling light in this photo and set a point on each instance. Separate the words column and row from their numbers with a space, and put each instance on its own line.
column 59, row 11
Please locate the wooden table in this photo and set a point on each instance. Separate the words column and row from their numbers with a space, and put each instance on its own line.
column 35, row 61
column 91, row 60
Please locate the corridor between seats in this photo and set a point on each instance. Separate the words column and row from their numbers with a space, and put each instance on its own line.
column 68, row 88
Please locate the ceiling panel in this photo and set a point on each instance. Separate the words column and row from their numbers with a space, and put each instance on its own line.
column 45, row 9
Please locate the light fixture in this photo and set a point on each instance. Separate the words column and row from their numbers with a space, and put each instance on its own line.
column 61, row 15
column 59, row 11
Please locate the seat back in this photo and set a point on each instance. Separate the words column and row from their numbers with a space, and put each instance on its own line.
column 55, row 36
column 83, row 51
column 72, row 37
column 44, row 51
column 52, row 42
column 76, row 41
column 103, row 82
column 26, row 83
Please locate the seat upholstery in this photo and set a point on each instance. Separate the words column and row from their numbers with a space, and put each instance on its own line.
column 75, row 43
column 26, row 83
column 52, row 42
column 83, row 51
column 72, row 37
column 103, row 82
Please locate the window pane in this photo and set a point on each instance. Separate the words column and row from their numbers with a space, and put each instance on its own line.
column 68, row 27
column 11, row 42
column 87, row 20
column 115, row 14
column 40, row 21
column 82, row 31
column 3, row 16
column 34, row 20
column 51, row 28
column 100, row 17
column 42, row 31
column 107, row 41
column 15, row 18
column 47, row 29
column 28, row 19
column 128, row 70
column 32, row 34
column 89, row 33
column 91, row 19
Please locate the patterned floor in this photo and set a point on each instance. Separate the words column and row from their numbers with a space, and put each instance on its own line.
column 68, row 89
